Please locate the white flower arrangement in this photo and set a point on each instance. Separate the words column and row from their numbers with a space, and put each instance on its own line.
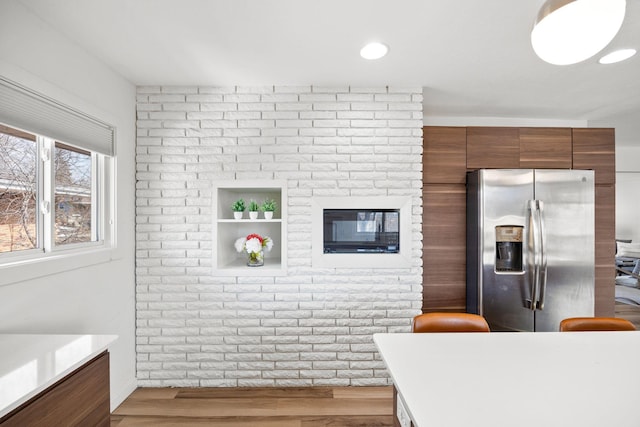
column 253, row 244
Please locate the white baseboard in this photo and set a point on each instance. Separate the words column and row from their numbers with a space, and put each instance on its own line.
column 118, row 396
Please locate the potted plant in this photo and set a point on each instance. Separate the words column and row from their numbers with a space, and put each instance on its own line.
column 253, row 209
column 268, row 207
column 238, row 208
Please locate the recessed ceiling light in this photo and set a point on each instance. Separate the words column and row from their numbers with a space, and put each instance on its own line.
column 617, row 56
column 374, row 50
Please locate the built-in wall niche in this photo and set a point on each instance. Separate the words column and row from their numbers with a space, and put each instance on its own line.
column 226, row 230
column 384, row 224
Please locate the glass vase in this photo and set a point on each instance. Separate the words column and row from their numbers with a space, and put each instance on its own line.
column 256, row 259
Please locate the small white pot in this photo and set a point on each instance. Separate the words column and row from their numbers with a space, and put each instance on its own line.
column 253, row 214
column 237, row 215
column 268, row 215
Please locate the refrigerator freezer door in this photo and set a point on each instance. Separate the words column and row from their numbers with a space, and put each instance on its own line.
column 567, row 214
column 503, row 200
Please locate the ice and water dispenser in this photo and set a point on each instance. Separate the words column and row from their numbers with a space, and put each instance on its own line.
column 509, row 249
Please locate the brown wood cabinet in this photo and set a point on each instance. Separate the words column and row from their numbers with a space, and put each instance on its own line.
column 513, row 148
column 444, row 155
column 79, row 399
column 444, row 247
column 493, row 148
column 444, row 197
column 545, row 148
column 595, row 148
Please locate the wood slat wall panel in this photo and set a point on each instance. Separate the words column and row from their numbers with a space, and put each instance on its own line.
column 444, row 246
column 605, row 250
column 605, row 291
column 447, row 298
column 493, row 148
column 545, row 148
column 444, row 155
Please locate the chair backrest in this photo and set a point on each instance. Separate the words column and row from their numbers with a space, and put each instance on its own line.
column 585, row 324
column 449, row 322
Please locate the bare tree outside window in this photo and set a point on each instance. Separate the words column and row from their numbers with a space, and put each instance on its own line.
column 72, row 208
column 72, row 195
column 18, row 171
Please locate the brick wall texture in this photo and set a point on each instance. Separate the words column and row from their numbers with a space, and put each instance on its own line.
column 311, row 327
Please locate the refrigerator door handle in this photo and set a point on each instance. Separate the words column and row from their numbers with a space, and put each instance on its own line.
column 543, row 253
column 534, row 223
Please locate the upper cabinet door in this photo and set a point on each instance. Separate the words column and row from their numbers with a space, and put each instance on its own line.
column 545, row 148
column 444, row 155
column 493, row 148
column 594, row 148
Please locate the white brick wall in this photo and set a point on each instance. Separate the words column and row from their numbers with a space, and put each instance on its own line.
column 312, row 327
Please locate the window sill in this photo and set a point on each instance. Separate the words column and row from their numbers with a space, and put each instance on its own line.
column 20, row 271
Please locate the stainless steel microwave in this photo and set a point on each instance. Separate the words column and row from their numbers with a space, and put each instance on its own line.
column 361, row 231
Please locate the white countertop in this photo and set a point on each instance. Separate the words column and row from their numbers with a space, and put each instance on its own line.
column 31, row 363
column 585, row 379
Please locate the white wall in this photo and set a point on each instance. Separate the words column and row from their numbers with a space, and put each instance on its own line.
column 501, row 121
column 627, row 129
column 313, row 326
column 97, row 299
column 628, row 192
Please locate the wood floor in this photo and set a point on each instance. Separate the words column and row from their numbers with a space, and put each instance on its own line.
column 629, row 312
column 268, row 407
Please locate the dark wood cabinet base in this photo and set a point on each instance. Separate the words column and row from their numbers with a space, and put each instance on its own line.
column 79, row 399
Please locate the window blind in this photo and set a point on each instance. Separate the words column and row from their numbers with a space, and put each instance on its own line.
column 30, row 111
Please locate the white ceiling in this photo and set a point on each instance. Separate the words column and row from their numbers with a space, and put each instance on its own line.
column 473, row 58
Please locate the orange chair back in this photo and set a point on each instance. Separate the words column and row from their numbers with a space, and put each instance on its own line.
column 584, row 324
column 449, row 322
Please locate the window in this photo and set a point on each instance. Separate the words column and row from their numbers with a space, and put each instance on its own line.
column 56, row 183
column 73, row 214
column 18, row 190
column 49, row 194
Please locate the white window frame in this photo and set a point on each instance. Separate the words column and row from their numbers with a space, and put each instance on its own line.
column 49, row 257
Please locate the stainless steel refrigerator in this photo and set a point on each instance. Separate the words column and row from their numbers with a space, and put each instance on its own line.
column 530, row 247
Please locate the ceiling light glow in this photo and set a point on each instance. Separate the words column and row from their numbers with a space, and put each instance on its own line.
column 374, row 50
column 617, row 56
column 570, row 31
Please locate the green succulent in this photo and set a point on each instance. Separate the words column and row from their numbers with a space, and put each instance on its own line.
column 253, row 206
column 238, row 206
column 269, row 205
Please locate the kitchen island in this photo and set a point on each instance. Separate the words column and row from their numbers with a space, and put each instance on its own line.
column 54, row 379
column 579, row 379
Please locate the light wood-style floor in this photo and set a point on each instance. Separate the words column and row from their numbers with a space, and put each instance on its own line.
column 629, row 312
column 255, row 407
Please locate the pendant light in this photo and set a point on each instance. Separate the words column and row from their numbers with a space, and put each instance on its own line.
column 570, row 31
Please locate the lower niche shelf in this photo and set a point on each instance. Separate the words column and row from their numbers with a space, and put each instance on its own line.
column 239, row 267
